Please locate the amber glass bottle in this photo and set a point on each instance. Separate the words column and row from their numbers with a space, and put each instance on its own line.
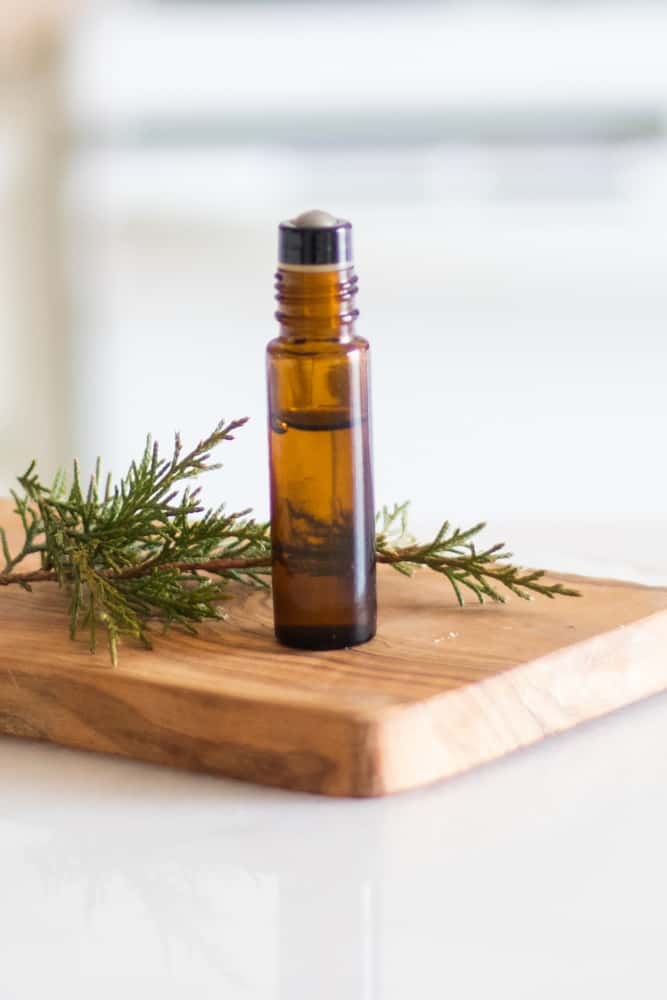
column 322, row 512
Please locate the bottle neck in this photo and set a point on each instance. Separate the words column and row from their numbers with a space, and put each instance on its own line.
column 316, row 305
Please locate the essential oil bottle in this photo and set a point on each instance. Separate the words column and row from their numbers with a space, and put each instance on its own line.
column 322, row 508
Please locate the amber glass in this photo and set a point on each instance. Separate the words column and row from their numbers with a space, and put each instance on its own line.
column 322, row 513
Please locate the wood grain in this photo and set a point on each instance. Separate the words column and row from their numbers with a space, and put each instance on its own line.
column 440, row 690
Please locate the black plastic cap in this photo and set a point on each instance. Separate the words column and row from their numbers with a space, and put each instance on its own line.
column 315, row 239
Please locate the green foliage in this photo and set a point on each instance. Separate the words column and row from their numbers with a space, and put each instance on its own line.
column 453, row 554
column 129, row 554
column 147, row 550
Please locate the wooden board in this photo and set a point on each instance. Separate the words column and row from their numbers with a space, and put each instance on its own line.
column 439, row 691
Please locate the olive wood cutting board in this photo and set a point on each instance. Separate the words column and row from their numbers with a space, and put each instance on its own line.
column 438, row 691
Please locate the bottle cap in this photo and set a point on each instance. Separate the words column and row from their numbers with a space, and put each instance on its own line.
column 315, row 239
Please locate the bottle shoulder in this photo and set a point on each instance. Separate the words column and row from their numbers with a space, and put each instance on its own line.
column 281, row 347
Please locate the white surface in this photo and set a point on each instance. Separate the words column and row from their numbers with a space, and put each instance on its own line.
column 238, row 58
column 541, row 875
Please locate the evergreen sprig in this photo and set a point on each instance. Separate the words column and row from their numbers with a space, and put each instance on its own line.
column 453, row 554
column 147, row 550
column 132, row 553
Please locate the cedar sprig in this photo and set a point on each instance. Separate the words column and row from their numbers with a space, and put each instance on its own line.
column 131, row 554
column 148, row 551
column 453, row 554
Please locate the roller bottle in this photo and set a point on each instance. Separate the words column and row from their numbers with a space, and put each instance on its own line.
column 322, row 508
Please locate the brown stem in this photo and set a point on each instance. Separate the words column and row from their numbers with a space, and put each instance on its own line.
column 209, row 566
column 146, row 568
column 143, row 569
column 36, row 576
column 239, row 563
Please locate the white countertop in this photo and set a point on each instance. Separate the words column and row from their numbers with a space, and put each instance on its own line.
column 542, row 875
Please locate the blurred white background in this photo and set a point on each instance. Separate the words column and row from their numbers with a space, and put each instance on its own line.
column 504, row 165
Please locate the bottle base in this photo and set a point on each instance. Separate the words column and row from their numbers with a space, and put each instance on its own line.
column 323, row 636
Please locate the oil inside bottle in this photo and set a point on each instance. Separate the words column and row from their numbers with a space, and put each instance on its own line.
column 323, row 547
